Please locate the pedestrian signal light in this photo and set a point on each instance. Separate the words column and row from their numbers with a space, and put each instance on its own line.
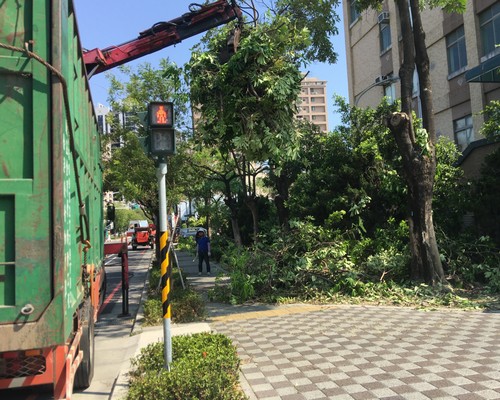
column 161, row 114
column 162, row 141
column 161, row 128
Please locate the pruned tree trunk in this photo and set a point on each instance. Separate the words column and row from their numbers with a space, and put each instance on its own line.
column 419, row 160
column 419, row 171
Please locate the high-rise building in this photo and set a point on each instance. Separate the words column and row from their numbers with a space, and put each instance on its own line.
column 464, row 63
column 313, row 102
column 101, row 112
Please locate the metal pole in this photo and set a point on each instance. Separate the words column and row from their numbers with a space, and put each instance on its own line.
column 125, row 284
column 166, row 269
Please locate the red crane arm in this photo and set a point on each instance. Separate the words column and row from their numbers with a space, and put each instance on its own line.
column 161, row 35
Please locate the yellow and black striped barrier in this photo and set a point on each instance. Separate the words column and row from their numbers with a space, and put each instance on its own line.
column 166, row 275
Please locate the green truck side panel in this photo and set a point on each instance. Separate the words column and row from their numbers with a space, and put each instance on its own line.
column 41, row 254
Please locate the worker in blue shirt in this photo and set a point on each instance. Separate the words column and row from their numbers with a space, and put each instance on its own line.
column 203, row 250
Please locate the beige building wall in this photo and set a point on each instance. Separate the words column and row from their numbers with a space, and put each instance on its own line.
column 453, row 96
column 313, row 105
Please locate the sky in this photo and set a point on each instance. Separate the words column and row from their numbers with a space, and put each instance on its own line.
column 103, row 23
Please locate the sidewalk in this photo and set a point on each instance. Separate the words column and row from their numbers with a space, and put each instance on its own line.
column 147, row 335
column 344, row 352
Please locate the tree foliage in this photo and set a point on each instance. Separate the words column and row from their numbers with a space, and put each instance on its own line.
column 491, row 127
column 320, row 19
column 247, row 105
column 130, row 170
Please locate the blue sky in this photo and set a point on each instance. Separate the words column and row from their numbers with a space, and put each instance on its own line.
column 103, row 23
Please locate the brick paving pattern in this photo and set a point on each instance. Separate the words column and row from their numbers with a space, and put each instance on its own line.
column 364, row 352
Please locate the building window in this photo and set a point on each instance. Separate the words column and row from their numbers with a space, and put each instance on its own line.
column 463, row 131
column 385, row 35
column 100, row 123
column 455, row 48
column 354, row 13
column 390, row 92
column 489, row 21
column 313, row 108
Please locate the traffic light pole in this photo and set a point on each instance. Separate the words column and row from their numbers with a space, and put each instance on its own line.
column 160, row 122
column 166, row 269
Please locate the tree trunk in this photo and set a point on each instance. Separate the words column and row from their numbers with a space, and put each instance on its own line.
column 419, row 170
column 234, row 220
column 419, row 164
column 252, row 206
column 283, row 213
column 282, row 184
column 207, row 208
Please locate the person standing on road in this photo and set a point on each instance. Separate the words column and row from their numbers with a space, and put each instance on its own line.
column 203, row 250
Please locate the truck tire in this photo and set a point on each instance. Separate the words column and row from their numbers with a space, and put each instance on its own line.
column 85, row 371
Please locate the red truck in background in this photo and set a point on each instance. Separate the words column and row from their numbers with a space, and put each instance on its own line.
column 141, row 233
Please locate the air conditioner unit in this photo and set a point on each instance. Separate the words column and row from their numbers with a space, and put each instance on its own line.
column 383, row 17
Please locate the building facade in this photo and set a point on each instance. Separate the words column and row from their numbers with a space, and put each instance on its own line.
column 464, row 62
column 313, row 103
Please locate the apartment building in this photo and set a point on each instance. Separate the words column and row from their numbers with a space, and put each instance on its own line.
column 313, row 102
column 464, row 64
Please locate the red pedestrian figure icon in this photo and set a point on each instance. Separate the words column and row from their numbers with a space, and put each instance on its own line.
column 161, row 115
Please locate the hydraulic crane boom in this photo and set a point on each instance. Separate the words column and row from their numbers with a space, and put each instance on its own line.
column 161, row 35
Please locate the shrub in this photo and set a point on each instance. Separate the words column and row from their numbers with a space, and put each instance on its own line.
column 469, row 261
column 204, row 366
column 187, row 305
column 153, row 313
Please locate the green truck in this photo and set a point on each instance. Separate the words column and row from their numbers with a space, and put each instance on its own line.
column 51, row 208
column 52, row 278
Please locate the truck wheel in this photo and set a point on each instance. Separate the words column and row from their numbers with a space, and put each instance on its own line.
column 85, row 371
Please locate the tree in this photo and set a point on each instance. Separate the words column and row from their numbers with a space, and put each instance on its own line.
column 130, row 170
column 247, row 105
column 417, row 144
column 320, row 19
column 485, row 205
column 491, row 126
column 214, row 166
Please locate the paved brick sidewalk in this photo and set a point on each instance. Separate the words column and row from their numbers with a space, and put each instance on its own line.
column 357, row 352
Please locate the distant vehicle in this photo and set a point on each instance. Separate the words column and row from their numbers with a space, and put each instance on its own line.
column 142, row 237
column 136, row 223
column 190, row 232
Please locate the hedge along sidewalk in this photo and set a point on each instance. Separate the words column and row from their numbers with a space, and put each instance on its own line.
column 205, row 366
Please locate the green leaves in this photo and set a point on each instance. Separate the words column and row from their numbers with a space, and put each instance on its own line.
column 246, row 104
column 491, row 127
column 204, row 367
column 319, row 19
